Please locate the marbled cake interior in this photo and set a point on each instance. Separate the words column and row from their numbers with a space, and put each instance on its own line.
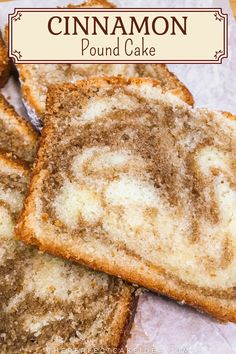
column 132, row 176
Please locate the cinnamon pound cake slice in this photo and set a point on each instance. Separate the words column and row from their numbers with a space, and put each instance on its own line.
column 17, row 136
column 35, row 78
column 132, row 181
column 48, row 305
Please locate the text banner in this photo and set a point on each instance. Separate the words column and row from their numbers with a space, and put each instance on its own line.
column 118, row 35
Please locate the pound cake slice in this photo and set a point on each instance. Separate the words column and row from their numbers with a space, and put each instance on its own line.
column 132, row 181
column 48, row 305
column 17, row 136
column 35, row 78
column 4, row 63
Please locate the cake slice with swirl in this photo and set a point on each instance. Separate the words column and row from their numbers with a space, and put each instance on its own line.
column 48, row 305
column 132, row 181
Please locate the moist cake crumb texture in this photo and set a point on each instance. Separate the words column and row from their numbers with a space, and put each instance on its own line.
column 48, row 305
column 130, row 178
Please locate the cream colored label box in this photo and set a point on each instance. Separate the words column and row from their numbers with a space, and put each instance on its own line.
column 118, row 35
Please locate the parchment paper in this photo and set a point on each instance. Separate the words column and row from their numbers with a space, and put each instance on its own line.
column 162, row 326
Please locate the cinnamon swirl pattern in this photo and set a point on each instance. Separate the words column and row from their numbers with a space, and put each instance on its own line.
column 135, row 182
column 48, row 305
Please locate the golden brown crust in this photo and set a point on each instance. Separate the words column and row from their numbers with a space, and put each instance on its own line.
column 5, row 66
column 219, row 308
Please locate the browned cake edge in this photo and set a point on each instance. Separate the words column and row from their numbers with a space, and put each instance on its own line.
column 5, row 64
column 171, row 288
